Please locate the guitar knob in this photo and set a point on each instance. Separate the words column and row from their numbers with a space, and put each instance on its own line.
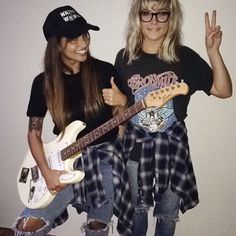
column 65, row 177
column 31, row 193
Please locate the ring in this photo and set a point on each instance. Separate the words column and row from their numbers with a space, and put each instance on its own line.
column 54, row 192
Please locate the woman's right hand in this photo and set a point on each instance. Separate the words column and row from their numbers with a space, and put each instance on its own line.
column 52, row 179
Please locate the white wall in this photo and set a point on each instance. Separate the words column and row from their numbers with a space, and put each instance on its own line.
column 211, row 121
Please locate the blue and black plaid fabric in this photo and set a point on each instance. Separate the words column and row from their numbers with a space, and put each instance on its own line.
column 93, row 184
column 164, row 159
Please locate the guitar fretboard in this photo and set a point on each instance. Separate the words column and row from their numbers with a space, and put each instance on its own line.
column 83, row 142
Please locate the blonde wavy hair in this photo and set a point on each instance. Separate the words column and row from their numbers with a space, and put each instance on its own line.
column 173, row 38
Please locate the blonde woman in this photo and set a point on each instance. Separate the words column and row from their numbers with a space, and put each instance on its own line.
column 156, row 142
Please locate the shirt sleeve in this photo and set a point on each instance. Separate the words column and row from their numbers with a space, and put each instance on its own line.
column 37, row 103
column 108, row 72
column 199, row 71
column 119, row 65
column 118, row 81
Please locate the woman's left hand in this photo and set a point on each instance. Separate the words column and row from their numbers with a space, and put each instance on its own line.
column 213, row 35
column 113, row 96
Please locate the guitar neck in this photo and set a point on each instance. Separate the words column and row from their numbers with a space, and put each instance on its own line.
column 83, row 142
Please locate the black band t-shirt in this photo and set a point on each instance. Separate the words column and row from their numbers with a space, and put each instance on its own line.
column 75, row 96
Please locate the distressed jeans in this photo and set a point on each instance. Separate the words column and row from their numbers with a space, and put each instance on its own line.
column 103, row 214
column 166, row 210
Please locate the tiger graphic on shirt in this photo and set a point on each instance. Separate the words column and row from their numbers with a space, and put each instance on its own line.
column 153, row 119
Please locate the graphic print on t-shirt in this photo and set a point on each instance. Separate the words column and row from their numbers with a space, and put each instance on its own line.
column 153, row 119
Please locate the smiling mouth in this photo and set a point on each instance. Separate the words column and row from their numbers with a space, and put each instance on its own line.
column 82, row 52
column 154, row 29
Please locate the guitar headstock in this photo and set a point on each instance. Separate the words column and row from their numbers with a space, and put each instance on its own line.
column 160, row 97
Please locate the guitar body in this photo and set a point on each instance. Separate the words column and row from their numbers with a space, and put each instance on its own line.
column 31, row 185
column 63, row 151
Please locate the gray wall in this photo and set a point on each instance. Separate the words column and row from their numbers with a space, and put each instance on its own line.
column 211, row 121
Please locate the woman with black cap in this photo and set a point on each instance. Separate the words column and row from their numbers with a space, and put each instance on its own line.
column 72, row 87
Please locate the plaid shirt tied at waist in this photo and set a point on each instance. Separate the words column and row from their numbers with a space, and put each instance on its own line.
column 92, row 183
column 164, row 160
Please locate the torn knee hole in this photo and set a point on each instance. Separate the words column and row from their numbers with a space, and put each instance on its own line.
column 30, row 224
column 141, row 209
column 96, row 225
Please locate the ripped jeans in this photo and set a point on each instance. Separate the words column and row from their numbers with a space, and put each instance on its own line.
column 48, row 214
column 166, row 210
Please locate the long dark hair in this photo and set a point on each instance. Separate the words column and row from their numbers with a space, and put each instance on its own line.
column 54, row 86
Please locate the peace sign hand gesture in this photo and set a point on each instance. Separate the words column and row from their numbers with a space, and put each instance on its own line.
column 213, row 35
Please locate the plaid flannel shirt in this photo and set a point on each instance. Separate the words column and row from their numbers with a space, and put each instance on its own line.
column 92, row 183
column 164, row 160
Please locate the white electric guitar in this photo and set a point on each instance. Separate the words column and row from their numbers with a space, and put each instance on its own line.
column 62, row 152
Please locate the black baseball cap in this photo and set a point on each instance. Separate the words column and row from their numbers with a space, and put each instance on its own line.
column 66, row 22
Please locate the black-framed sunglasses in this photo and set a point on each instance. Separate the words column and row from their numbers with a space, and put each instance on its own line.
column 161, row 16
